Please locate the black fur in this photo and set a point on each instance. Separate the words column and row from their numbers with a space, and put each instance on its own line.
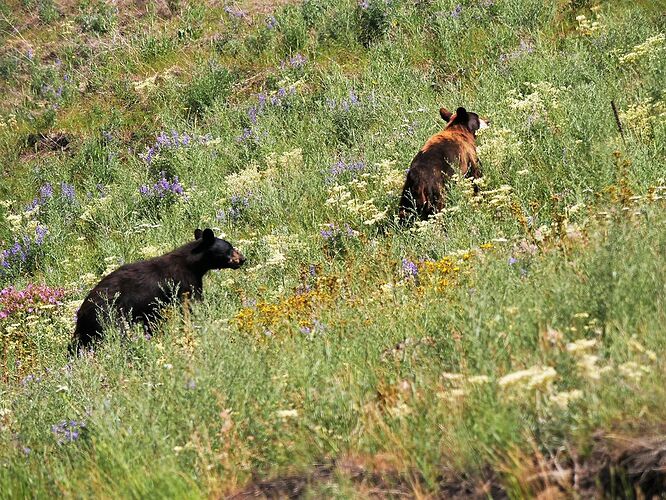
column 136, row 290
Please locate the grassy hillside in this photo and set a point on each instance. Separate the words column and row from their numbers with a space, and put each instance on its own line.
column 510, row 346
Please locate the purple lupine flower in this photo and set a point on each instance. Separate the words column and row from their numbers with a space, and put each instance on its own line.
column 409, row 269
column 162, row 188
column 345, row 104
column 328, row 232
column 237, row 206
column 512, row 260
column 67, row 191
column 455, row 13
column 172, row 141
column 46, row 191
column 40, row 233
column 252, row 114
column 245, row 135
column 298, row 60
column 341, row 167
column 250, row 134
column 526, row 47
column 67, row 431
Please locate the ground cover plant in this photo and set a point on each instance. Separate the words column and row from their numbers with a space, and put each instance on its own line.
column 509, row 346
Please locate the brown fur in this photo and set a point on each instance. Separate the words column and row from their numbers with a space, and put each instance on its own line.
column 453, row 149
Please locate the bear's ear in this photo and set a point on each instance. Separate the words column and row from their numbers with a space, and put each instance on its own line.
column 208, row 236
column 445, row 114
column 461, row 115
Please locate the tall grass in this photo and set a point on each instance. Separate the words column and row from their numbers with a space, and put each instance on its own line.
column 345, row 334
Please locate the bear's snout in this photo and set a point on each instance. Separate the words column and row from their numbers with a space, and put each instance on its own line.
column 237, row 259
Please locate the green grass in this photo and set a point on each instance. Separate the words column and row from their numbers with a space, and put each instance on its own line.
column 321, row 349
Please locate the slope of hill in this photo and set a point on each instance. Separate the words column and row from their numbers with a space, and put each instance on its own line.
column 510, row 346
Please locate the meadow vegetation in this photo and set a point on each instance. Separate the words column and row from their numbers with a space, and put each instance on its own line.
column 484, row 345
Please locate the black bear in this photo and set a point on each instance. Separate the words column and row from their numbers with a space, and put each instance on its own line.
column 433, row 166
column 137, row 290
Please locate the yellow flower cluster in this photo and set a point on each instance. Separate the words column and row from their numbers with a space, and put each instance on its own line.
column 8, row 123
column 642, row 117
column 645, row 50
column 264, row 318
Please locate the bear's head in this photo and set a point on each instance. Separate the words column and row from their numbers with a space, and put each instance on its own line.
column 215, row 253
column 462, row 117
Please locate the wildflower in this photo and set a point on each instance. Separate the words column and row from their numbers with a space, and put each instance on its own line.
column 148, row 252
column 271, row 22
column 23, row 251
column 633, row 370
column 409, row 269
column 237, row 206
column 341, row 167
column 173, row 141
column 478, row 379
column 284, row 414
column 535, row 377
column 580, row 346
column 647, row 48
column 67, row 431
column 163, row 188
column 298, row 60
column 455, row 13
column 512, row 260
column 67, row 191
column 276, row 259
column 562, row 399
column 345, row 104
column 587, row 364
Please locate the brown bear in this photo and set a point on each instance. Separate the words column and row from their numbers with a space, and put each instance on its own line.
column 136, row 291
column 432, row 167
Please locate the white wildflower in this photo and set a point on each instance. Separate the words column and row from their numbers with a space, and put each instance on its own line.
column 581, row 345
column 534, row 377
column 284, row 414
column 633, row 370
column 562, row 399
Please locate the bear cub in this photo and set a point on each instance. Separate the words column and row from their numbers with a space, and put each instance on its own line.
column 452, row 148
column 136, row 291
